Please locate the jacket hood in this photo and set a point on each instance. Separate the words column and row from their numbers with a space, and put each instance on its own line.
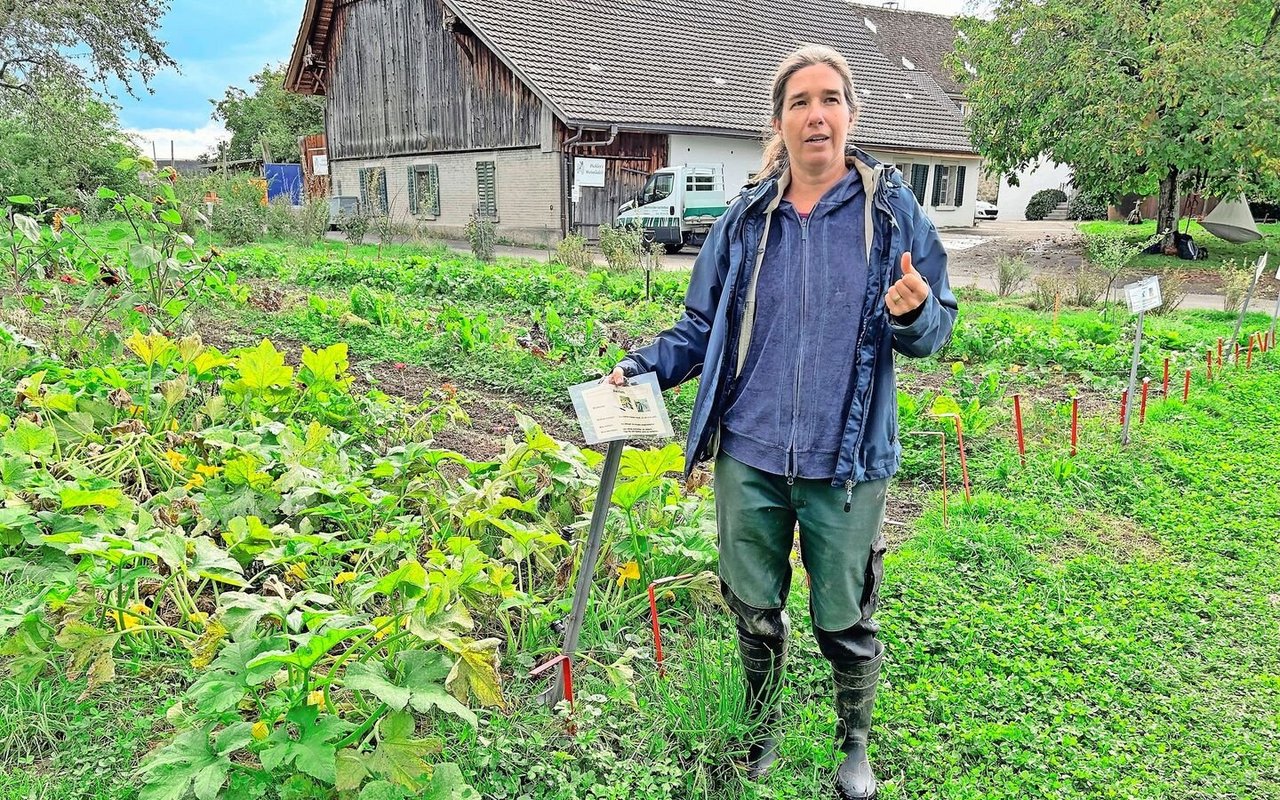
column 769, row 191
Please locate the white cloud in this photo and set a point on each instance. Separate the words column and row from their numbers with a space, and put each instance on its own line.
column 187, row 143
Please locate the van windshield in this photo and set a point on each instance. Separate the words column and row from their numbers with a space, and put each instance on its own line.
column 658, row 187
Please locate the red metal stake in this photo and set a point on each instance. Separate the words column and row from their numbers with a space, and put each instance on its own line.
column 1209, row 364
column 1166, row 379
column 1237, row 355
column 1075, row 423
column 1124, row 404
column 943, row 435
column 1186, row 385
column 566, row 669
column 1017, row 424
column 1142, row 407
column 1219, row 351
column 1248, row 361
column 653, row 616
column 964, row 464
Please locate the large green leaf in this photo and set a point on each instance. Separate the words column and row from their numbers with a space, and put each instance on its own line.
column 29, row 439
column 325, row 368
column 422, row 686
column 312, row 650
column 263, row 367
column 652, row 463
column 212, row 562
column 447, row 783
column 230, row 677
column 313, row 752
column 74, row 497
column 476, row 672
column 399, row 756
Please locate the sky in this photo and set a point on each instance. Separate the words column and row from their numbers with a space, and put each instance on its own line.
column 222, row 43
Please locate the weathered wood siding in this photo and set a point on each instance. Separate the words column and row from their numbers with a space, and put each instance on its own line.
column 399, row 84
column 628, row 162
column 314, row 186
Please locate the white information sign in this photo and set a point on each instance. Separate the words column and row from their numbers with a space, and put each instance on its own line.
column 319, row 165
column 588, row 172
column 1144, row 295
column 608, row 413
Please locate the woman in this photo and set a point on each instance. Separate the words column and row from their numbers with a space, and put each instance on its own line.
column 798, row 300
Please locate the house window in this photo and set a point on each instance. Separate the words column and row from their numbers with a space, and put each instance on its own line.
column 948, row 185
column 487, row 190
column 424, row 190
column 916, row 176
column 373, row 190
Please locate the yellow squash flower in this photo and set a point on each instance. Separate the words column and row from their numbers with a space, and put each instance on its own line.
column 343, row 577
column 629, row 571
column 175, row 459
column 315, row 698
column 260, row 730
column 296, row 572
column 197, row 480
column 207, row 471
column 200, row 618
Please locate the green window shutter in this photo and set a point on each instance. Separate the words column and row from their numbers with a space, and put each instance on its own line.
column 937, row 184
column 486, row 190
column 919, row 180
column 959, row 186
column 364, row 182
column 413, row 190
column 382, row 190
column 433, row 190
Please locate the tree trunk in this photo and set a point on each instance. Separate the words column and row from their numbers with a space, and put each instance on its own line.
column 1167, row 211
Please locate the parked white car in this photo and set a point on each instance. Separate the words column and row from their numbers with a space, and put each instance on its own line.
column 985, row 210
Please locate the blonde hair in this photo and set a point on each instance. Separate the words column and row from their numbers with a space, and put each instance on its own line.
column 776, row 160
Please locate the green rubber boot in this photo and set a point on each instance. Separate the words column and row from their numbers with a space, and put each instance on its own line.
column 855, row 685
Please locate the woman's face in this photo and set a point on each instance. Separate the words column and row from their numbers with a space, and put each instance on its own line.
column 815, row 118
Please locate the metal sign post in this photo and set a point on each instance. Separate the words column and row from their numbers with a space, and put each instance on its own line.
column 1143, row 296
column 587, row 567
column 1257, row 273
column 1271, row 334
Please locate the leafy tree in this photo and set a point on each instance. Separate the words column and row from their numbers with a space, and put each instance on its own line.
column 270, row 114
column 78, row 42
column 82, row 155
column 1135, row 95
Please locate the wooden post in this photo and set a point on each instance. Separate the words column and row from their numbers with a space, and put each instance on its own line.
column 1017, row 424
column 1075, row 423
column 1186, row 386
column 1142, row 409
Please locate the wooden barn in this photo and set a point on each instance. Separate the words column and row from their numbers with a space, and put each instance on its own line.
column 438, row 109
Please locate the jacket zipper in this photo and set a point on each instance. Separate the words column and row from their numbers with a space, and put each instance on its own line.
column 793, row 460
column 857, row 446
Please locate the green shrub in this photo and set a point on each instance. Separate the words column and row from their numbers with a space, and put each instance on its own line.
column 622, row 246
column 574, row 252
column 1044, row 201
column 281, row 220
column 1010, row 274
column 482, row 236
column 1087, row 206
column 312, row 222
column 354, row 225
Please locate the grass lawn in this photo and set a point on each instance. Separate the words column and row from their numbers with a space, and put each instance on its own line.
column 1220, row 250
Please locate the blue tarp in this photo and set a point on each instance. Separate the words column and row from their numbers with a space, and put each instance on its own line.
column 284, row 180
